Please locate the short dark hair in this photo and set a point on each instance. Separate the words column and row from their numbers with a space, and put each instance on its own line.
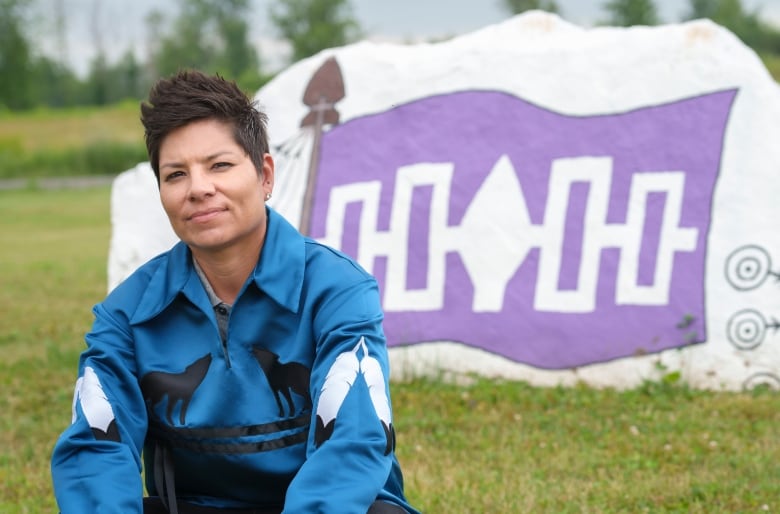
column 189, row 96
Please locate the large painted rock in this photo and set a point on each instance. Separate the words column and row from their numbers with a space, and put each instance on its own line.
column 541, row 201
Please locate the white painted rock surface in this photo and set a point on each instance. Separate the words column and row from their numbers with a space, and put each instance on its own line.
column 540, row 201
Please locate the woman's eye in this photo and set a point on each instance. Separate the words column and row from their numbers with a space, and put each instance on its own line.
column 174, row 175
column 221, row 165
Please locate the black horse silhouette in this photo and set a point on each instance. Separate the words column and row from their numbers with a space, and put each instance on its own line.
column 156, row 385
column 284, row 378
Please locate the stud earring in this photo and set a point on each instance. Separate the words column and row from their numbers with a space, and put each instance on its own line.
column 267, row 196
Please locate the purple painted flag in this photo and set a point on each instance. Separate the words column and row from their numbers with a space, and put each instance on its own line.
column 555, row 241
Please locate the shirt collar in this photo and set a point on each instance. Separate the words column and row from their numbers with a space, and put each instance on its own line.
column 280, row 269
column 279, row 272
column 213, row 298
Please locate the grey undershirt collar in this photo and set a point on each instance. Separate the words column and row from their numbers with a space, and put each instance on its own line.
column 221, row 309
column 213, row 298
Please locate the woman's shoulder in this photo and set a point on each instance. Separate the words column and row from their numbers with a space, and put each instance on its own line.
column 132, row 288
column 322, row 256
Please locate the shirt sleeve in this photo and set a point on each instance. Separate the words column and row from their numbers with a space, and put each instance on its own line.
column 96, row 462
column 351, row 440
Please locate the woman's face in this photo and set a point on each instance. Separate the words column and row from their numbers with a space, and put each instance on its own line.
column 211, row 190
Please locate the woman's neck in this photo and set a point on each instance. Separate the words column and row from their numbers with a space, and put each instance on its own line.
column 227, row 270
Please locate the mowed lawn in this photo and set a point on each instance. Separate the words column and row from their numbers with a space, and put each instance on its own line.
column 484, row 446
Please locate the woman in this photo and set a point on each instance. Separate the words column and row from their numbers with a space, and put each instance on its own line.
column 247, row 364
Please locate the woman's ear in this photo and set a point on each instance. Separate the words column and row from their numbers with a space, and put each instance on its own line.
column 268, row 175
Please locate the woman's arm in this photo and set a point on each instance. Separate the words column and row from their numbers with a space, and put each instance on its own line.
column 96, row 462
column 351, row 442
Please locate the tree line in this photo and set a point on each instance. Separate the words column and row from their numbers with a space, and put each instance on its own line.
column 210, row 35
column 213, row 36
column 747, row 24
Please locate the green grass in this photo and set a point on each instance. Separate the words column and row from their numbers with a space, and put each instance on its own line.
column 53, row 253
column 492, row 446
column 500, row 446
column 71, row 142
column 68, row 128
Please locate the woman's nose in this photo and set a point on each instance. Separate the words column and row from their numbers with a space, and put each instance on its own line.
column 201, row 184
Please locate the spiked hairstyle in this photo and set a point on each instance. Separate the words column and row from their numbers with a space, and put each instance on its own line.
column 190, row 96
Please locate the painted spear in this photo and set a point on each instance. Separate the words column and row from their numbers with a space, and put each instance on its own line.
column 325, row 88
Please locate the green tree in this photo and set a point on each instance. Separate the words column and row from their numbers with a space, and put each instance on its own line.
column 720, row 11
column 97, row 84
column 188, row 43
column 702, row 9
column 745, row 24
column 109, row 83
column 54, row 84
column 519, row 6
column 625, row 13
column 15, row 56
column 128, row 77
column 314, row 25
column 210, row 35
column 237, row 54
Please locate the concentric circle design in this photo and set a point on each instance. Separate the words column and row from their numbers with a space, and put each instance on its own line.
column 747, row 267
column 770, row 380
column 746, row 329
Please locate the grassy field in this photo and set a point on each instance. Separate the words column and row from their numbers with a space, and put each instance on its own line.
column 53, row 247
column 490, row 446
column 47, row 129
column 67, row 142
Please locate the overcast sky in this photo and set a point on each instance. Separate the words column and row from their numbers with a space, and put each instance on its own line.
column 120, row 23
